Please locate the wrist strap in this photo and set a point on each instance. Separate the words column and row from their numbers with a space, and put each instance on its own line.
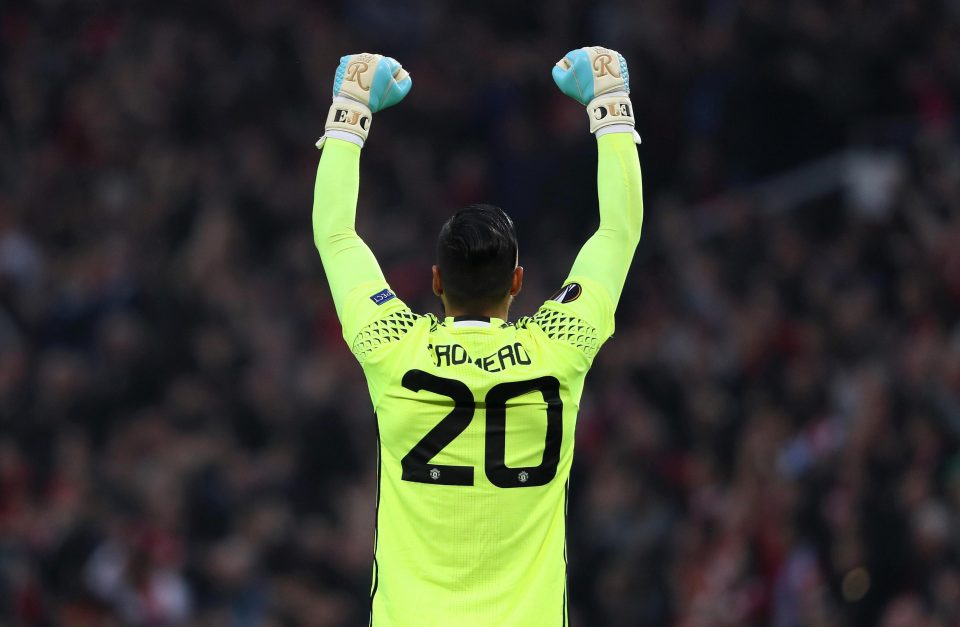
column 618, row 128
column 610, row 109
column 347, row 116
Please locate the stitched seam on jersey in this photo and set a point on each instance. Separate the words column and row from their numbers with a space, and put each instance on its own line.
column 382, row 332
column 565, row 328
column 566, row 565
column 376, row 522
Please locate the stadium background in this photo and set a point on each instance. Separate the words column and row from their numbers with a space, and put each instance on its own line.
column 769, row 439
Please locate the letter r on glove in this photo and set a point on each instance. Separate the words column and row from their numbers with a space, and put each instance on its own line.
column 602, row 65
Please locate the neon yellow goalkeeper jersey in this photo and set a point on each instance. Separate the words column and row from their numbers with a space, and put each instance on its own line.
column 476, row 421
column 476, row 417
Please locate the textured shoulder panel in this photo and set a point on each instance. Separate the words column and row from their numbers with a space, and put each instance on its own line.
column 565, row 328
column 383, row 332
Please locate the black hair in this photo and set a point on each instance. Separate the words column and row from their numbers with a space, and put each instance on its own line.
column 477, row 254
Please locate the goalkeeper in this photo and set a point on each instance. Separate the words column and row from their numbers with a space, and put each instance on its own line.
column 475, row 415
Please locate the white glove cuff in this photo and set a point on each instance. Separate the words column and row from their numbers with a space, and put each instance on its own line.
column 618, row 128
column 347, row 119
column 344, row 135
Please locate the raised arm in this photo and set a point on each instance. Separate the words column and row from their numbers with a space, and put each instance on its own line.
column 605, row 257
column 347, row 260
column 364, row 84
column 581, row 313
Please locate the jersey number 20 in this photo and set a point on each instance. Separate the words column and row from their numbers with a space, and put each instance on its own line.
column 416, row 464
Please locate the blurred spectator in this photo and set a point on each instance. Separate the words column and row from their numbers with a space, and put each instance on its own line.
column 770, row 438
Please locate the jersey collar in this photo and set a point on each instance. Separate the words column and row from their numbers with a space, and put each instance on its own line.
column 472, row 321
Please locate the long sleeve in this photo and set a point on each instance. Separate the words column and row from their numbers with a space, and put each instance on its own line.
column 360, row 291
column 605, row 258
column 581, row 313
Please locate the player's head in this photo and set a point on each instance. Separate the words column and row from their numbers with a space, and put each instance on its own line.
column 477, row 269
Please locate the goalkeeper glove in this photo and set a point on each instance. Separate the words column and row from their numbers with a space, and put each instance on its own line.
column 364, row 84
column 598, row 78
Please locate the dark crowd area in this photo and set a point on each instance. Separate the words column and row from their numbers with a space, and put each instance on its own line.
column 770, row 438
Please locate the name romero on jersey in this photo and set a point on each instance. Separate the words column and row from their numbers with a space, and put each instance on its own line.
column 506, row 356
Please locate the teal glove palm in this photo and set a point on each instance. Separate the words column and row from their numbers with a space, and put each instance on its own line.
column 598, row 78
column 364, row 84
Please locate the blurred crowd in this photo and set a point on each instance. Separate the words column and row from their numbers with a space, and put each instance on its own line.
column 770, row 438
